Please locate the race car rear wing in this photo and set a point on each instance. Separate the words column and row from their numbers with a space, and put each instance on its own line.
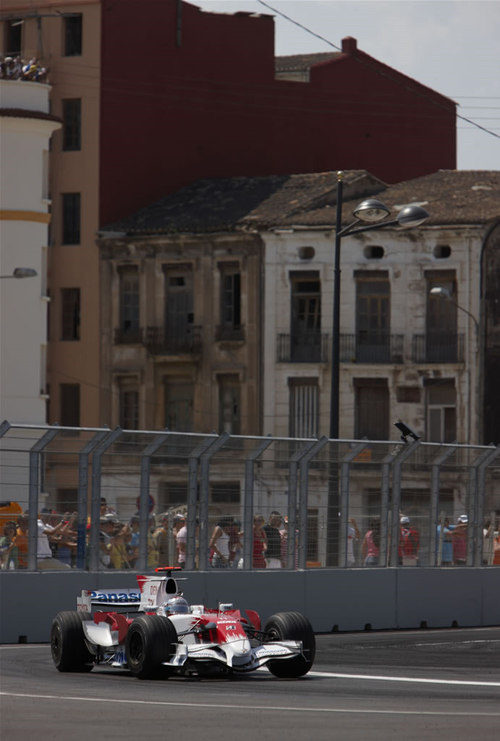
column 112, row 599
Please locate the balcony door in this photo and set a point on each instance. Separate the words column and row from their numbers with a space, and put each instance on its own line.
column 179, row 308
column 373, row 310
column 305, row 334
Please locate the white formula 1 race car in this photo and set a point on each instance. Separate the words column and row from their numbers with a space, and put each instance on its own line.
column 167, row 636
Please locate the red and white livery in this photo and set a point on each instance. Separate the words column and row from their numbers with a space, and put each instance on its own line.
column 154, row 631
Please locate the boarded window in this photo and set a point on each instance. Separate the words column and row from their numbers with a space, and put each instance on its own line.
column 129, row 407
column 304, row 407
column 179, row 317
column 371, row 409
column 179, row 397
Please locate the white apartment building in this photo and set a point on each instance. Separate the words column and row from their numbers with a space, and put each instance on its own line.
column 26, row 128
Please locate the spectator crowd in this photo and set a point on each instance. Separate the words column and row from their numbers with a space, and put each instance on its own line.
column 15, row 68
column 57, row 542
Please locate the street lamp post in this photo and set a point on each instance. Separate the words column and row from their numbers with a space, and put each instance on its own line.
column 445, row 294
column 372, row 211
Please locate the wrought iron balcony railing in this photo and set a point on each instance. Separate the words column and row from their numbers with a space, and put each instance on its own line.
column 159, row 341
column 438, row 347
column 310, row 347
column 371, row 347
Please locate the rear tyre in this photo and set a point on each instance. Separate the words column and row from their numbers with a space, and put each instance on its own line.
column 151, row 640
column 291, row 626
column 67, row 642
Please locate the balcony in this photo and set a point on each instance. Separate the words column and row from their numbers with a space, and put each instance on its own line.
column 130, row 336
column 438, row 347
column 371, row 347
column 158, row 341
column 307, row 347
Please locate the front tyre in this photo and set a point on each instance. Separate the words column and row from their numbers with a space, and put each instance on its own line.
column 291, row 626
column 151, row 640
column 67, row 642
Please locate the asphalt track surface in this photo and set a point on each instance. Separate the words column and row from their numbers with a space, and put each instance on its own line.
column 411, row 685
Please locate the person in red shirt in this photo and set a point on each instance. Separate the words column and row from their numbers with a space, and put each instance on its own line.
column 409, row 542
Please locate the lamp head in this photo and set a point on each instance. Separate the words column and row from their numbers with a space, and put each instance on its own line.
column 440, row 291
column 371, row 210
column 412, row 215
column 24, row 273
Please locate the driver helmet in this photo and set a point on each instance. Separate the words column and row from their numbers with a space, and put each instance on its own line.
column 176, row 605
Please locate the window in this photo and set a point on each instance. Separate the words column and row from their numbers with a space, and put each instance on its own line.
column 230, row 298
column 71, row 218
column 70, row 404
column 179, row 399
column 70, row 325
column 229, row 404
column 129, row 408
column 372, row 316
column 305, row 340
column 13, row 37
column 129, row 330
column 66, row 500
column 72, row 124
column 304, row 407
column 371, row 415
column 441, row 410
column 73, row 35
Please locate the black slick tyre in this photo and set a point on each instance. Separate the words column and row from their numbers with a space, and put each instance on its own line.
column 151, row 640
column 67, row 642
column 291, row 626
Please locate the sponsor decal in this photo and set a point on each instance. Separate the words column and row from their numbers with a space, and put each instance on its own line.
column 126, row 596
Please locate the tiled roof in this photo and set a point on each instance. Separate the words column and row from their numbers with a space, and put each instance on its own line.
column 302, row 62
column 250, row 203
column 227, row 204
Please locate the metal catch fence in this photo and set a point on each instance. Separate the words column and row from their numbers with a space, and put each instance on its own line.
column 134, row 500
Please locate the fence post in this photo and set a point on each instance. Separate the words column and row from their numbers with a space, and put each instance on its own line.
column 483, row 463
column 204, row 493
column 248, row 502
column 83, row 479
column 157, row 442
column 400, row 458
column 35, row 454
column 435, row 549
column 344, row 500
column 303, row 492
column 192, row 500
column 292, row 503
column 95, row 503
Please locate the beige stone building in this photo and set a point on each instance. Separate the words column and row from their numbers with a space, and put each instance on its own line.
column 181, row 325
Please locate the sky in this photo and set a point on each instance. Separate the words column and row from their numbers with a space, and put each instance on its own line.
column 452, row 46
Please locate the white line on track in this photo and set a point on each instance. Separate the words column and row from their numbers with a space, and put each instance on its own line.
column 422, row 680
column 232, row 706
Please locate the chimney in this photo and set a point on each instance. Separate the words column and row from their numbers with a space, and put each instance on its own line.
column 349, row 45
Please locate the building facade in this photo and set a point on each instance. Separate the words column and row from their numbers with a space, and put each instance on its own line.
column 155, row 94
column 26, row 129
